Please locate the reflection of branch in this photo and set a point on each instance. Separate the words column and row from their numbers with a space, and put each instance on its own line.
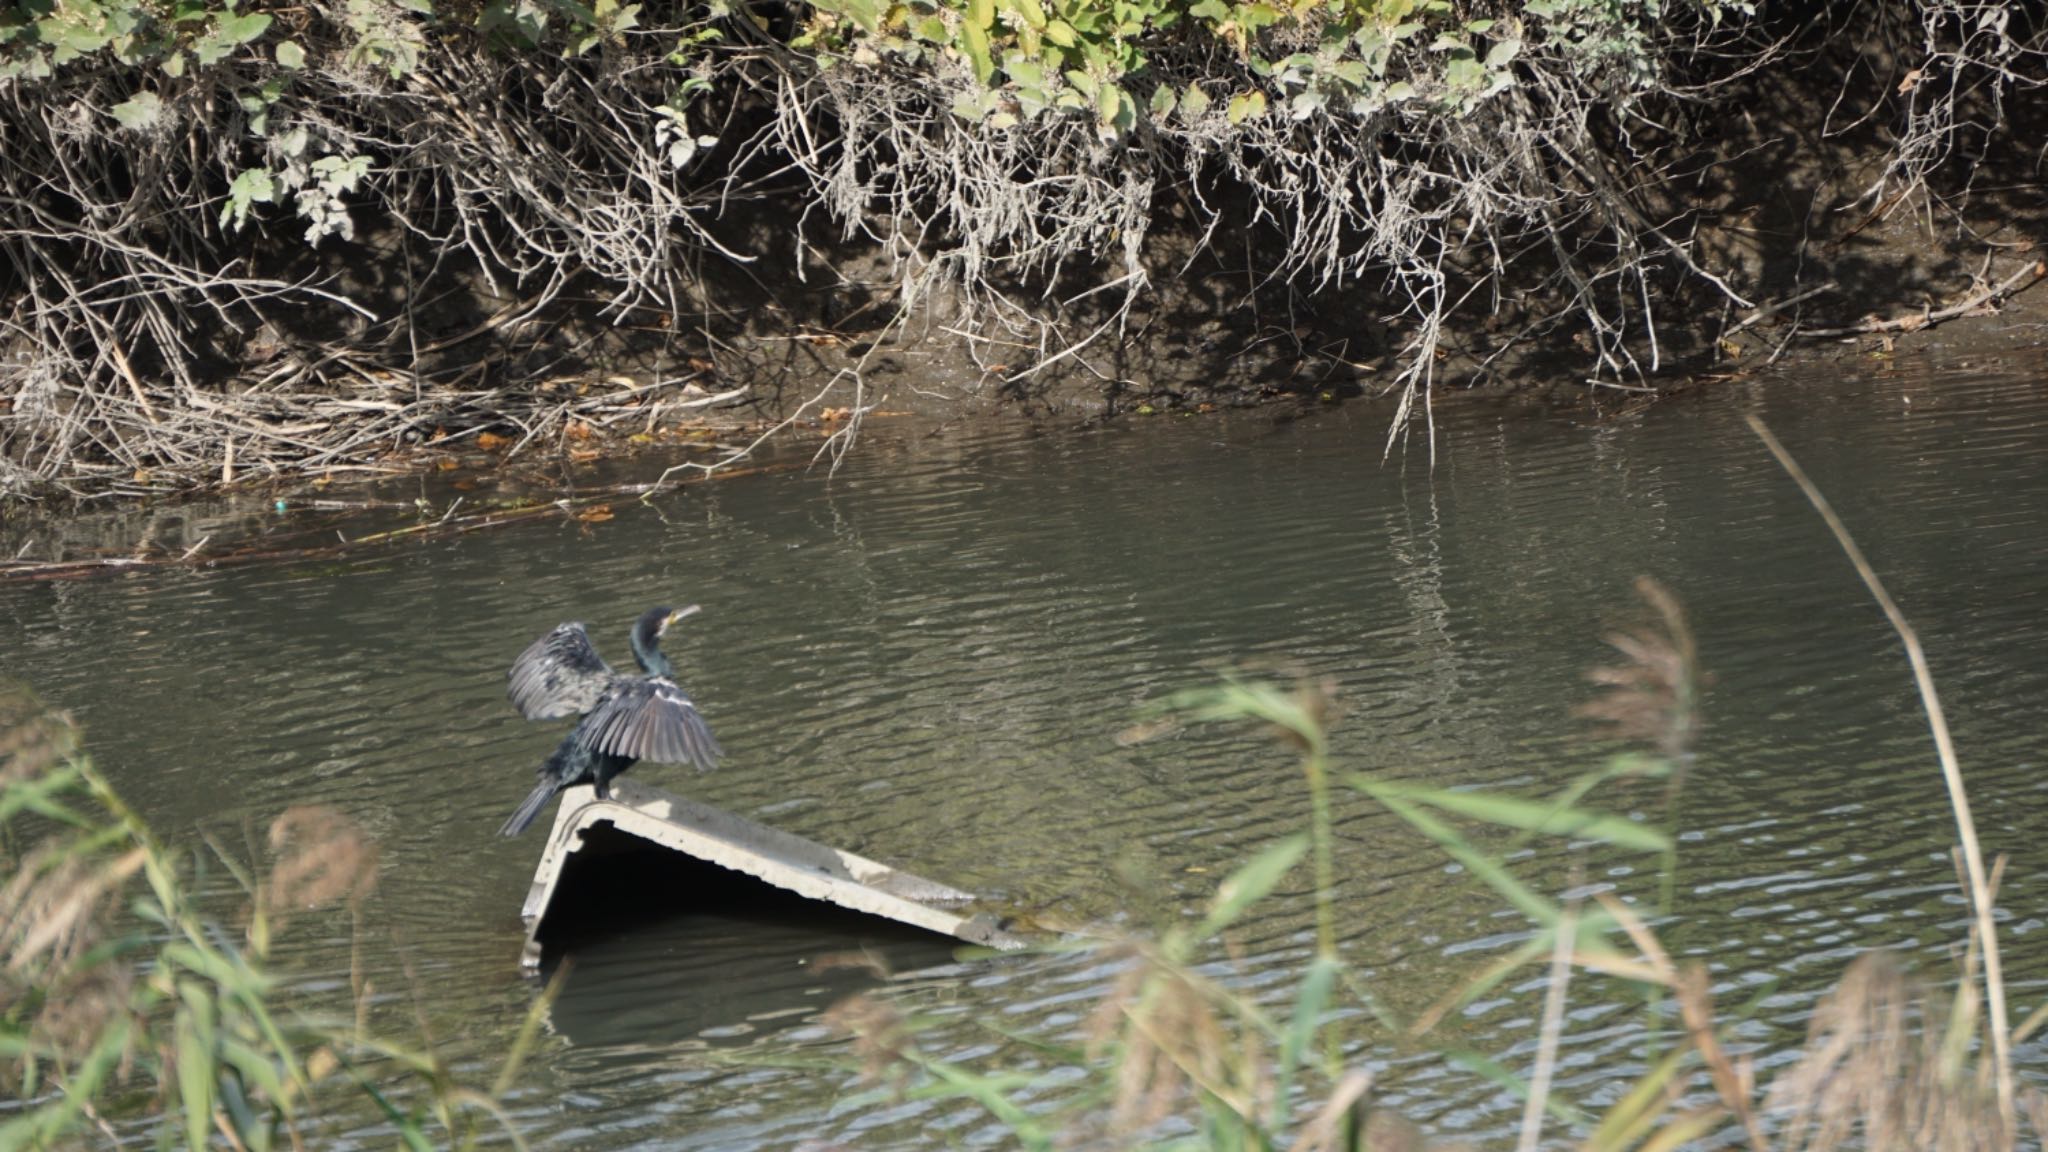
column 2010, row 285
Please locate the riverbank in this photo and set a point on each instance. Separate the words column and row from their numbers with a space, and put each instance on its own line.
column 826, row 209
column 452, row 486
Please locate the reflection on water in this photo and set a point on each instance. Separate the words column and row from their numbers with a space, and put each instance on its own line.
column 928, row 660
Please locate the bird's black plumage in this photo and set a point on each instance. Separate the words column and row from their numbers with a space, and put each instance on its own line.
column 625, row 718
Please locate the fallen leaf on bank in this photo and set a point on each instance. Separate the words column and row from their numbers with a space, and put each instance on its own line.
column 465, row 485
column 323, row 481
column 578, row 430
column 699, row 364
column 639, row 438
column 1911, row 81
column 834, row 415
column 446, row 465
column 596, row 515
column 439, row 435
column 142, row 475
column 491, row 442
column 583, row 455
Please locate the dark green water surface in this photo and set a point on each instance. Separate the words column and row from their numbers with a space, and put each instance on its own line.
column 931, row 657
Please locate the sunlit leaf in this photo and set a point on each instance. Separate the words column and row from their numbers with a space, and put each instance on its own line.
column 1536, row 816
column 1489, row 871
column 1252, row 883
column 139, row 111
column 1309, row 1005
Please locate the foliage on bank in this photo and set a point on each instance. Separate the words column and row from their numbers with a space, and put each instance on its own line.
column 182, row 171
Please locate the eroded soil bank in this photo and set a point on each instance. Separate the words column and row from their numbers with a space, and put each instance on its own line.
column 1814, row 180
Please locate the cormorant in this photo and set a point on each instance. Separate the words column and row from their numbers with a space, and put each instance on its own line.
column 625, row 718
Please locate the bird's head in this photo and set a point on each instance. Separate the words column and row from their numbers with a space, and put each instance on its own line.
column 653, row 623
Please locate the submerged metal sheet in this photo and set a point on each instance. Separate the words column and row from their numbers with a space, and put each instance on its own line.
column 782, row 859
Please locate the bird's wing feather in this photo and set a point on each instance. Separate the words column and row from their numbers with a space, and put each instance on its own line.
column 559, row 674
column 650, row 718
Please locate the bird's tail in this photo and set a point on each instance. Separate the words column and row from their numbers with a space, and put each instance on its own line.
column 530, row 807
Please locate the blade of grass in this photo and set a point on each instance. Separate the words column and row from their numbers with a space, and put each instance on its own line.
column 1951, row 771
column 1542, row 816
column 194, row 1032
column 1481, row 865
column 528, row 1029
column 1634, row 1113
column 1493, row 1071
column 1683, row 1131
column 1252, row 883
column 1308, row 1012
column 1553, row 1029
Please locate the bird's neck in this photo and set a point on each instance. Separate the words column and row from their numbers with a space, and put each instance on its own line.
column 652, row 660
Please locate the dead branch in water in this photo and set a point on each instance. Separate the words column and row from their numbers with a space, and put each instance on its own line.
column 2018, row 282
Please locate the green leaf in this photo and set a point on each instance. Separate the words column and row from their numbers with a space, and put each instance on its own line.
column 1245, row 106
column 1252, row 883
column 195, row 1050
column 1309, row 1004
column 290, row 55
column 981, row 14
column 1026, row 72
column 241, row 27
column 139, row 111
column 1061, row 33
column 974, row 41
column 864, row 13
column 1162, row 103
column 1500, row 54
column 1237, row 699
column 1032, row 12
column 1115, row 108
column 1555, row 1104
column 1537, row 816
column 1487, row 869
column 1214, row 11
column 252, row 186
column 1193, row 101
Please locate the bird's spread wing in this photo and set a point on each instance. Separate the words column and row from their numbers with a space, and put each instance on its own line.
column 650, row 718
column 559, row 674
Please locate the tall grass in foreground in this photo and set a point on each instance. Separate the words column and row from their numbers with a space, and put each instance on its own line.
column 126, row 1016
column 1174, row 1058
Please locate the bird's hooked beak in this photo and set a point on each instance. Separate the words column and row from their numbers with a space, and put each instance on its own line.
column 678, row 614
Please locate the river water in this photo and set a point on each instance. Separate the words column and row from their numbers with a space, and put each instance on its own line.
column 936, row 656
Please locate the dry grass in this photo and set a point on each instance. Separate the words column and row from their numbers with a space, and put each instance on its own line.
column 33, row 739
column 321, row 856
column 1885, row 1069
column 1651, row 697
